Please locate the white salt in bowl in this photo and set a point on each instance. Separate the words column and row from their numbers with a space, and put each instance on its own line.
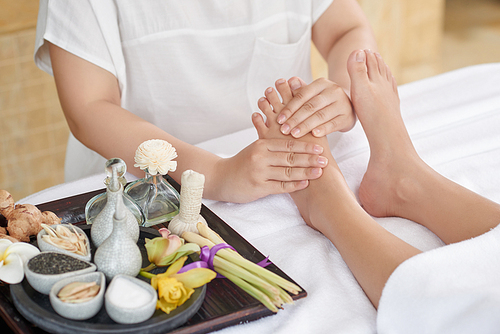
column 45, row 246
column 123, row 306
column 79, row 311
column 44, row 282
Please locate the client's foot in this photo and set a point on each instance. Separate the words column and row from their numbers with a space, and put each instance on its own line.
column 389, row 179
column 271, row 105
column 317, row 191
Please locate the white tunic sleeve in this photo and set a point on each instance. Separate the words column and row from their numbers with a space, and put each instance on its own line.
column 73, row 26
column 318, row 8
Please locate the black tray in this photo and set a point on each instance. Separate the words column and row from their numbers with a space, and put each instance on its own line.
column 36, row 306
column 225, row 304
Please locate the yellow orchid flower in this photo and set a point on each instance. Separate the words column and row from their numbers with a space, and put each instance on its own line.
column 12, row 259
column 171, row 293
column 174, row 289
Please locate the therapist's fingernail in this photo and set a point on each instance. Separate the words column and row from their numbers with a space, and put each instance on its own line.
column 281, row 119
column 317, row 132
column 318, row 149
column 295, row 132
column 322, row 161
column 316, row 171
column 285, row 129
column 294, row 84
column 360, row 56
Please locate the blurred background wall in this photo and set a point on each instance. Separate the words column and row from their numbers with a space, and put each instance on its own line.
column 418, row 39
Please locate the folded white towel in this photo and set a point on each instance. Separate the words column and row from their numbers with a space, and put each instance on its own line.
column 452, row 289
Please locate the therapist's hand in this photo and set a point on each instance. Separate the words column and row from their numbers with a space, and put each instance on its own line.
column 268, row 166
column 322, row 107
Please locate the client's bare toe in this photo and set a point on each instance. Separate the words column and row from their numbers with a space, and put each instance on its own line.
column 372, row 65
column 356, row 65
column 284, row 89
column 382, row 67
column 274, row 99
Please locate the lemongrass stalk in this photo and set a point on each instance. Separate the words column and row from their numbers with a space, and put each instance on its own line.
column 211, row 235
column 251, row 290
column 197, row 239
column 273, row 298
column 285, row 297
column 258, row 270
column 208, row 233
column 233, row 257
column 251, row 278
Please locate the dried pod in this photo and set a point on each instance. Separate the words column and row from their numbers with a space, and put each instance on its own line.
column 65, row 238
column 78, row 292
column 73, row 288
column 49, row 230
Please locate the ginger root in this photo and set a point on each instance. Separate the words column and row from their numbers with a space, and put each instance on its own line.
column 6, row 203
column 24, row 220
column 8, row 237
column 3, row 235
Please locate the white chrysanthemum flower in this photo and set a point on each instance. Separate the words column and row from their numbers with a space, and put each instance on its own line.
column 156, row 156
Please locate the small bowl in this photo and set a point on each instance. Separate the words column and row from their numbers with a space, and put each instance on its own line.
column 126, row 315
column 45, row 246
column 79, row 311
column 44, row 282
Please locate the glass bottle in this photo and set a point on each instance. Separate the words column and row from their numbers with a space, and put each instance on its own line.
column 158, row 200
column 97, row 203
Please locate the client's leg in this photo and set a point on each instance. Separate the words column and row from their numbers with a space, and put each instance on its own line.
column 328, row 205
column 397, row 181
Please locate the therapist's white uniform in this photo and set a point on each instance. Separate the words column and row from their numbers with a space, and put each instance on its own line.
column 194, row 68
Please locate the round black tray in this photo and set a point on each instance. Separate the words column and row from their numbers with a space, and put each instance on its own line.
column 36, row 307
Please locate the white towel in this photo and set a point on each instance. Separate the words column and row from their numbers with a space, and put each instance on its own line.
column 452, row 289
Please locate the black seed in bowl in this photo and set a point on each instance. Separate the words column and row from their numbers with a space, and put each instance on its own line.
column 55, row 263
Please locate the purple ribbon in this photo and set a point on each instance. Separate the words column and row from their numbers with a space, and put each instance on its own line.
column 207, row 259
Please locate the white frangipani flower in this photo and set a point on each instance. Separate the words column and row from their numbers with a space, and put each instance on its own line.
column 156, row 156
column 12, row 259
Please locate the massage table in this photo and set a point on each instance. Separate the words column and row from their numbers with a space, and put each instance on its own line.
column 454, row 122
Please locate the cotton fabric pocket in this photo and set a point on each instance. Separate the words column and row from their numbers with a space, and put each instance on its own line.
column 282, row 50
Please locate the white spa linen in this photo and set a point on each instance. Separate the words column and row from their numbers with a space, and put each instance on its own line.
column 454, row 121
column 194, row 68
